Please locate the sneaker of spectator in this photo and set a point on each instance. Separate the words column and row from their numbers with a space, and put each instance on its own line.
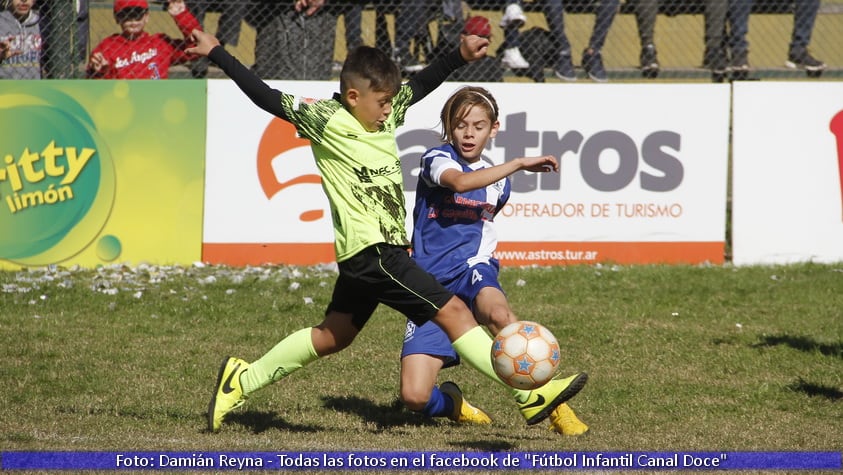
column 513, row 16
column 592, row 63
column 564, row 68
column 513, row 59
column 718, row 62
column 649, row 61
column 801, row 59
column 739, row 65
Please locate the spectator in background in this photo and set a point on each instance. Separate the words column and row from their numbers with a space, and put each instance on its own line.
column 726, row 46
column 20, row 41
column 231, row 16
column 136, row 54
column 646, row 12
column 294, row 40
column 592, row 59
column 804, row 17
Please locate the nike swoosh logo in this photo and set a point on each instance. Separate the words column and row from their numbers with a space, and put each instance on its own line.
column 226, row 386
column 539, row 402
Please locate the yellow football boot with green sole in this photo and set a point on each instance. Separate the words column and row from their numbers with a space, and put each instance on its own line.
column 542, row 401
column 228, row 393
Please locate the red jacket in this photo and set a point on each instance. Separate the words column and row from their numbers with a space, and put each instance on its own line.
column 147, row 56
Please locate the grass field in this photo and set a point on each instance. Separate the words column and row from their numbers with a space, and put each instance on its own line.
column 680, row 358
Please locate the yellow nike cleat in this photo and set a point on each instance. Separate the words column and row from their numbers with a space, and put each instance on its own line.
column 544, row 400
column 464, row 412
column 564, row 421
column 228, row 393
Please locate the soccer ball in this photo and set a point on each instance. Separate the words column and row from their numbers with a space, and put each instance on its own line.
column 525, row 355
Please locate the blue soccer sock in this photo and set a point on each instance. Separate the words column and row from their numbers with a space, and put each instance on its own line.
column 439, row 404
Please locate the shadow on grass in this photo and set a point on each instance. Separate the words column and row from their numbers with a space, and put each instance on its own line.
column 261, row 421
column 382, row 415
column 386, row 416
column 812, row 389
column 802, row 343
column 484, row 445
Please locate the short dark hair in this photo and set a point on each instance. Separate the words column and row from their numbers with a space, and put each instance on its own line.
column 366, row 62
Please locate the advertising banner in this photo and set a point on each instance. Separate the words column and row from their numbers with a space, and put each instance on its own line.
column 101, row 172
column 643, row 172
column 787, row 203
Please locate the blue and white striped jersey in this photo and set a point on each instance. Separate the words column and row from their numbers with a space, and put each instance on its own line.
column 454, row 230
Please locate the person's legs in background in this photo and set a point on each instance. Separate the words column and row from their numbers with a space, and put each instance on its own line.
column 646, row 12
column 715, row 56
column 353, row 19
column 410, row 18
column 592, row 59
column 554, row 13
column 738, row 16
column 804, row 17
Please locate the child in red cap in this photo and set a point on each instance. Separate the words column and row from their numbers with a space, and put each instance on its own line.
column 136, row 54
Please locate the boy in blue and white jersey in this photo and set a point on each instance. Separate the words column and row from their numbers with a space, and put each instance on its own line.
column 457, row 198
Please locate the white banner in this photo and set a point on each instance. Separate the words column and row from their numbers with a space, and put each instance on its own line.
column 787, row 172
column 643, row 172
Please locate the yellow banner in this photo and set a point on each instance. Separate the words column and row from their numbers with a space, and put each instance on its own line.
column 101, row 172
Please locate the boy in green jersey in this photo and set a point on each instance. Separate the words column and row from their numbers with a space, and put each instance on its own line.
column 352, row 136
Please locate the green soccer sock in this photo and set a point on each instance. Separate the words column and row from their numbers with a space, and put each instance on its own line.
column 290, row 354
column 475, row 347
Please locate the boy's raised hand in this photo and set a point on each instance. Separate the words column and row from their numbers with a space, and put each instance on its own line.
column 205, row 42
column 473, row 47
column 175, row 7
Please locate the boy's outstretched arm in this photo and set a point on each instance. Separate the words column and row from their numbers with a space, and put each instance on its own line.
column 461, row 182
column 259, row 92
column 471, row 48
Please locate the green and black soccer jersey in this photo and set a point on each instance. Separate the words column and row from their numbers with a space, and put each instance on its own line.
column 361, row 171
